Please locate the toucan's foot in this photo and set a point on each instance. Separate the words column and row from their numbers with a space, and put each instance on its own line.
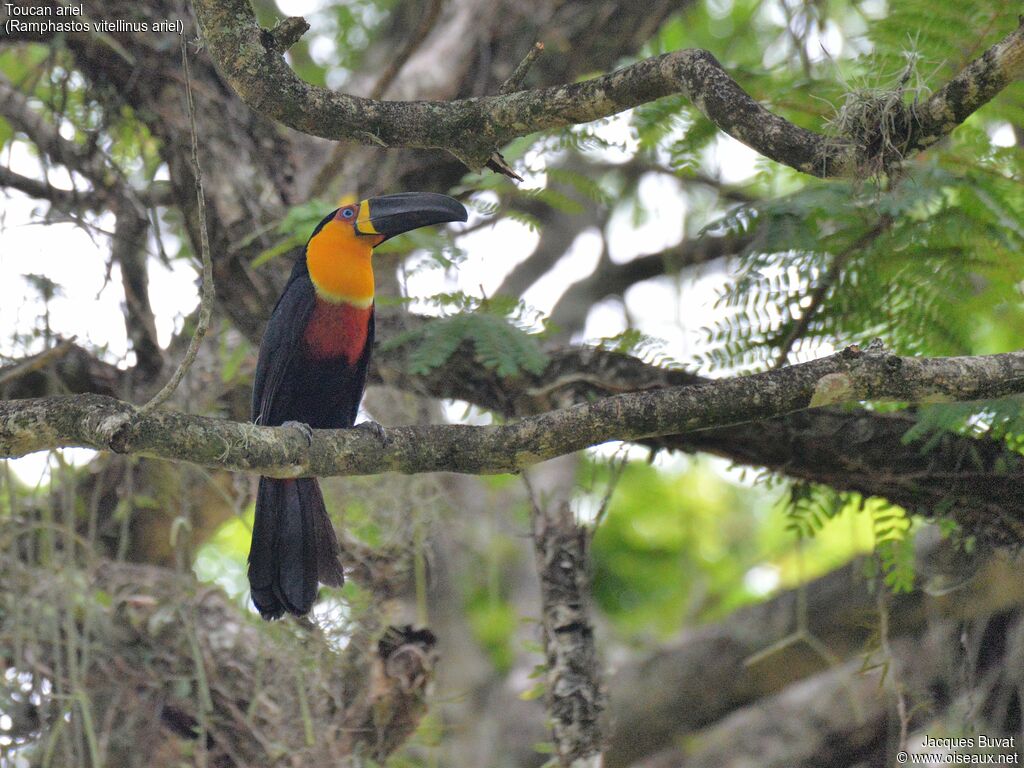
column 303, row 428
column 376, row 429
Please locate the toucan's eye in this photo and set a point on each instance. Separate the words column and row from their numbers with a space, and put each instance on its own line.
column 348, row 213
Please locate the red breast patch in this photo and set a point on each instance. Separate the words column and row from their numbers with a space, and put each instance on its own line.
column 337, row 330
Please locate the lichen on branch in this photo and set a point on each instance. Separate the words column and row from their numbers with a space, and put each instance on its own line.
column 105, row 423
column 472, row 129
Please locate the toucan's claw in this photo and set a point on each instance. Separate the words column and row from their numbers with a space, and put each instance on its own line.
column 304, row 429
column 376, row 429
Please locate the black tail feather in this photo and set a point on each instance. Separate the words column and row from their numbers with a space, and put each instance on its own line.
column 328, row 567
column 294, row 547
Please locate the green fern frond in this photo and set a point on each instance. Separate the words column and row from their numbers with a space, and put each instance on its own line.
column 633, row 342
column 918, row 265
column 497, row 344
column 1001, row 419
column 809, row 506
column 896, row 560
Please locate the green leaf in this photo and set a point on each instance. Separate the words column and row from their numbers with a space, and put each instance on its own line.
column 533, row 693
column 497, row 344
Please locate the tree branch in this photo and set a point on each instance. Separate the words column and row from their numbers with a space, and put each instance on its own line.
column 128, row 249
column 612, row 279
column 63, row 199
column 848, row 449
column 67, row 365
column 852, row 709
column 472, row 50
column 36, row 362
column 394, row 66
column 558, row 230
column 74, row 200
column 15, row 106
column 978, row 481
column 108, row 424
column 471, row 129
column 575, row 699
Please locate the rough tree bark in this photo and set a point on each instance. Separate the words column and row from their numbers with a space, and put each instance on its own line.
column 95, row 421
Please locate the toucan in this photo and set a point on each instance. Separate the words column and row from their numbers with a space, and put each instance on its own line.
column 311, row 373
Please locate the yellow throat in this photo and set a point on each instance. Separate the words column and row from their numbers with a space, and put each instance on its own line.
column 339, row 264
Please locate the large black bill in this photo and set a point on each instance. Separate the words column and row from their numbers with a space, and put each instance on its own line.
column 391, row 215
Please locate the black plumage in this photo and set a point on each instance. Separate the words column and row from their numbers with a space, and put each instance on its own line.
column 312, row 370
column 293, row 542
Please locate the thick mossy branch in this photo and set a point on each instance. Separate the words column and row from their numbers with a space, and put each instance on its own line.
column 104, row 423
column 472, row 129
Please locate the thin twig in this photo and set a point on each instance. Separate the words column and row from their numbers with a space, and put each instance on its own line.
column 817, row 299
column 515, row 80
column 496, row 162
column 427, row 21
column 617, row 466
column 285, row 34
column 207, row 293
column 890, row 661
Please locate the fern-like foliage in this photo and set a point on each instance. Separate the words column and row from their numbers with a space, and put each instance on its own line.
column 923, row 259
column 1001, row 419
column 809, row 507
column 634, row 342
column 497, row 330
column 918, row 265
column 896, row 561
